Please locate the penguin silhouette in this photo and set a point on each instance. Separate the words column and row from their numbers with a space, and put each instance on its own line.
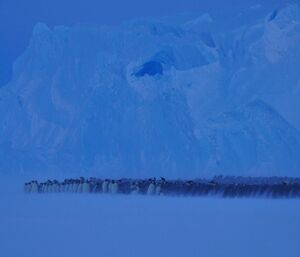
column 70, row 186
column 105, row 186
column 66, row 186
column 54, row 187
column 27, row 187
column 151, row 189
column 62, row 187
column 158, row 189
column 50, row 187
column 75, row 186
column 86, row 187
column 113, row 187
column 42, row 187
column 45, row 187
column 80, row 186
column 34, row 187
column 134, row 188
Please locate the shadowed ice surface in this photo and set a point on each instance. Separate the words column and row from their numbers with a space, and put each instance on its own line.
column 192, row 97
column 73, row 225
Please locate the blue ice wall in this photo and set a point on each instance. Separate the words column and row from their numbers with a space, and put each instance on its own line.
column 185, row 97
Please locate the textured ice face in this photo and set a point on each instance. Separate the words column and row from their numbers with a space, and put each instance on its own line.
column 155, row 98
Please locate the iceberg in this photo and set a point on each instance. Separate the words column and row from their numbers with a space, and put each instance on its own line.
column 155, row 98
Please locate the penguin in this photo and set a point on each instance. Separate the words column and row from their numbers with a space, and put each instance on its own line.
column 69, row 186
column 158, row 189
column 188, row 187
column 45, row 187
column 80, row 186
column 105, row 186
column 34, row 187
column 93, row 186
column 113, row 187
column 65, row 187
column 86, row 187
column 54, row 187
column 75, row 185
column 27, row 187
column 134, row 188
column 42, row 187
column 50, row 187
column 58, row 187
column 110, row 185
column 62, row 187
column 98, row 186
column 92, row 182
column 151, row 188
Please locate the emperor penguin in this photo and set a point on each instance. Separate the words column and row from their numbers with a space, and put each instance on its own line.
column 98, row 186
column 58, row 187
column 86, row 187
column 93, row 186
column 105, row 184
column 158, row 189
column 27, row 187
column 42, row 187
column 113, row 187
column 50, row 187
column 135, row 189
column 75, row 185
column 45, row 187
column 80, row 185
column 34, row 187
column 109, row 186
column 68, row 186
column 151, row 188
column 55, row 187
column 79, row 188
column 62, row 187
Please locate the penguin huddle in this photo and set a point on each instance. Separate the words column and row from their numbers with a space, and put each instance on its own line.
column 272, row 187
column 31, row 187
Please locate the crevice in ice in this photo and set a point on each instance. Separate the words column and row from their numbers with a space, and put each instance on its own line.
column 150, row 68
column 273, row 15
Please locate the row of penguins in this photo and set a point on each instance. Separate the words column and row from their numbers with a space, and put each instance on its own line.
column 93, row 185
column 273, row 187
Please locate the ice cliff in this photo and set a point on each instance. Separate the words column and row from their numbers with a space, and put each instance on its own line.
column 150, row 97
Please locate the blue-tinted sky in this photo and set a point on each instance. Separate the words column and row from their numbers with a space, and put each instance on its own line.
column 17, row 17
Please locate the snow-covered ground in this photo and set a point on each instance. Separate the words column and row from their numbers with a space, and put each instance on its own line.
column 62, row 225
